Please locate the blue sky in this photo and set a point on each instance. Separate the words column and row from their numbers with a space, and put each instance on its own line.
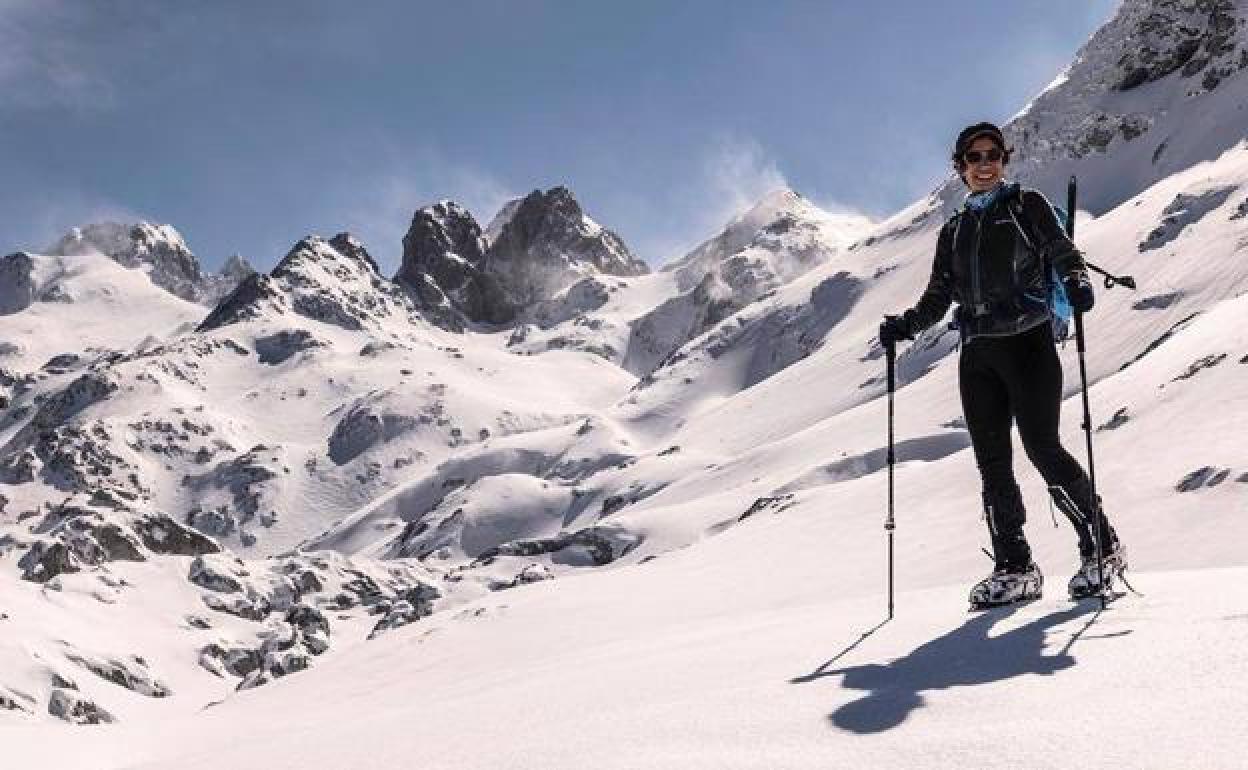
column 250, row 124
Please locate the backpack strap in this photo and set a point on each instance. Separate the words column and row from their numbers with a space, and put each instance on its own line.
column 1018, row 212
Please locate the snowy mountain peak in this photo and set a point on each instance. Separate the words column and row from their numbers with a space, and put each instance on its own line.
column 549, row 243
column 335, row 282
column 774, row 224
column 1157, row 89
column 443, row 252
column 158, row 249
column 120, row 241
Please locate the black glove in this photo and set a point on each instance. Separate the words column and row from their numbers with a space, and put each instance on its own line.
column 894, row 328
column 1079, row 292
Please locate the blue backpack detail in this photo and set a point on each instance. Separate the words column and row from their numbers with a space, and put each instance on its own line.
column 1059, row 303
column 1060, row 309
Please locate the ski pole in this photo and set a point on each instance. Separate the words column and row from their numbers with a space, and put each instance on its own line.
column 889, row 525
column 1071, row 193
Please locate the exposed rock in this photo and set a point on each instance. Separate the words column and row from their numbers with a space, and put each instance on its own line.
column 1119, row 419
column 334, row 282
column 249, row 300
column 238, row 661
column 1186, row 35
column 217, row 287
column 584, row 296
column 1207, row 476
column 82, row 535
column 416, row 603
column 12, row 701
column 131, row 673
column 45, row 560
column 247, row 478
column 308, row 620
column 662, row 331
column 1157, row 301
column 597, row 545
column 1167, row 334
column 1184, row 210
column 17, row 287
column 443, row 256
column 161, row 534
column 74, row 708
column 1202, row 363
column 549, row 243
column 533, row 573
column 215, row 575
column 500, row 220
column 363, row 428
column 247, row 607
column 280, row 346
column 283, row 649
column 90, row 388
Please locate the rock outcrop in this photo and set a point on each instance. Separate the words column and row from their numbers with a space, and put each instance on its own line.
column 536, row 247
column 17, row 287
column 443, row 253
column 549, row 243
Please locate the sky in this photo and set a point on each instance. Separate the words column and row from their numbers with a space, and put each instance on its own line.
column 248, row 125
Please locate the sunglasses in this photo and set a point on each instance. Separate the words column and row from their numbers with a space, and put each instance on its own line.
column 975, row 156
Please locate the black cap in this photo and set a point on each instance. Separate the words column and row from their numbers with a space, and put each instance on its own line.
column 971, row 133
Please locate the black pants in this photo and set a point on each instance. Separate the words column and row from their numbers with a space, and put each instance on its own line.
column 1018, row 379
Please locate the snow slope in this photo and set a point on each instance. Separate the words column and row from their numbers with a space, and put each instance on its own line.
column 524, row 554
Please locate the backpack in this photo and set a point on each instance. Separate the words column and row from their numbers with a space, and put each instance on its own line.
column 1060, row 309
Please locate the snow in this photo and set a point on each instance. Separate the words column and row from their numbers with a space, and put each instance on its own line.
column 679, row 566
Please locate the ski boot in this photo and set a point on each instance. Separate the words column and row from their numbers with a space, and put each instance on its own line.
column 1087, row 581
column 1007, row 585
column 1076, row 501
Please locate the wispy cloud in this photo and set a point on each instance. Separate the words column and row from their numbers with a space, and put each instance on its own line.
column 737, row 173
column 40, row 221
column 733, row 174
column 47, row 59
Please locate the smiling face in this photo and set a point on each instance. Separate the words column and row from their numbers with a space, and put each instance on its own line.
column 984, row 174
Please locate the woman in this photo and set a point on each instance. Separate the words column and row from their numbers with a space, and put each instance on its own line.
column 993, row 257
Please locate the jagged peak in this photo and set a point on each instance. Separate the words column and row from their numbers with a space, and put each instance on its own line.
column 314, row 249
column 114, row 239
column 1156, row 89
column 500, row 220
column 236, row 265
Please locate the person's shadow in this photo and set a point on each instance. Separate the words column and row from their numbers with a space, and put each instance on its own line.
column 963, row 657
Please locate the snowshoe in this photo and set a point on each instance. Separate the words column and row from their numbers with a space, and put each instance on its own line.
column 1086, row 582
column 1007, row 585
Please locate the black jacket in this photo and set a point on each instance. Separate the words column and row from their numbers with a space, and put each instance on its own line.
column 993, row 263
